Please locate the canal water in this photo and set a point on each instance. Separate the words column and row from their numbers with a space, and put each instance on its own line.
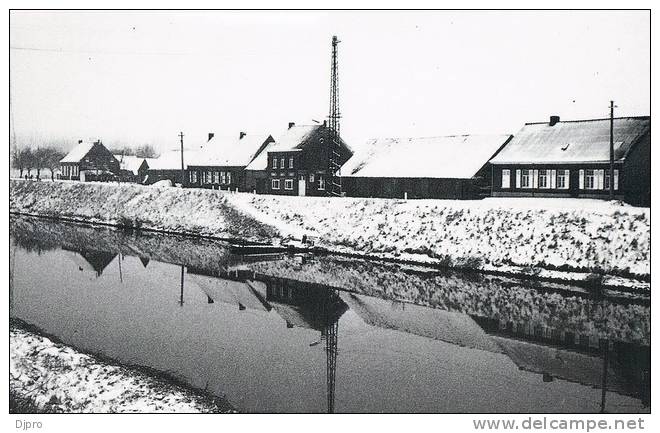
column 297, row 333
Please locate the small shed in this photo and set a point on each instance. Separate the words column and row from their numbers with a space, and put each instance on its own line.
column 132, row 168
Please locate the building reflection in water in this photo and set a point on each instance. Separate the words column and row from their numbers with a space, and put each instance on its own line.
column 612, row 366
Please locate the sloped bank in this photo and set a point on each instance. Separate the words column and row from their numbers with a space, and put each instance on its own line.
column 48, row 376
column 594, row 243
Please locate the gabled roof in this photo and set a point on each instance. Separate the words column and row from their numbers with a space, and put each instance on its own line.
column 260, row 162
column 292, row 140
column 129, row 162
column 453, row 157
column 573, row 141
column 78, row 153
column 171, row 159
column 231, row 151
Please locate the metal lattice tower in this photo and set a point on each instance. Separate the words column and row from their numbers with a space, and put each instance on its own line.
column 331, row 359
column 334, row 163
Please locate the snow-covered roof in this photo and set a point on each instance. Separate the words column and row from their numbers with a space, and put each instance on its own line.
column 454, row 157
column 129, row 162
column 78, row 153
column 261, row 160
column 171, row 159
column 435, row 323
column 573, row 141
column 230, row 151
column 293, row 139
column 564, row 364
column 228, row 291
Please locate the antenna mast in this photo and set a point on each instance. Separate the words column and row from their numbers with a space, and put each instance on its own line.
column 334, row 163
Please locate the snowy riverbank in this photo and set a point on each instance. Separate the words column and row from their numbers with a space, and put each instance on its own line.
column 558, row 239
column 46, row 376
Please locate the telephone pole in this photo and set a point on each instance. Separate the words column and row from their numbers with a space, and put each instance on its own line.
column 611, row 150
column 182, row 168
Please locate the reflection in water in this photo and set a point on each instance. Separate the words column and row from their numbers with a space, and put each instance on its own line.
column 490, row 323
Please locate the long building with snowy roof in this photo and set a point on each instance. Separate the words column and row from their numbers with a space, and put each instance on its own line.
column 572, row 159
column 448, row 167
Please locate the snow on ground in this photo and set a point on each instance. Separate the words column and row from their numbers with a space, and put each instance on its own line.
column 187, row 211
column 538, row 237
column 576, row 235
column 57, row 378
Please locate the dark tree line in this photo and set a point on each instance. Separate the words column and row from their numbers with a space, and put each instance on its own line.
column 144, row 151
column 27, row 159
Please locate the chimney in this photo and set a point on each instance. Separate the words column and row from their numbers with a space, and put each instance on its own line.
column 211, row 134
column 79, row 141
column 325, row 123
column 554, row 120
column 291, row 125
column 241, row 135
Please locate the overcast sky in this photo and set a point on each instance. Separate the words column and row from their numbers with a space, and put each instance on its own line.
column 144, row 76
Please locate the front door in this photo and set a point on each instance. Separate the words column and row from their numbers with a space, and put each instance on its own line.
column 301, row 185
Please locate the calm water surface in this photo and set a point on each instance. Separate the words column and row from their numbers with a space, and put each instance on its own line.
column 318, row 334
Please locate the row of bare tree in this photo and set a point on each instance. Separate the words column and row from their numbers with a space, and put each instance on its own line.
column 27, row 159
column 144, row 151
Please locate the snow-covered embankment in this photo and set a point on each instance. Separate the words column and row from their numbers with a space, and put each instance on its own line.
column 574, row 240
column 50, row 377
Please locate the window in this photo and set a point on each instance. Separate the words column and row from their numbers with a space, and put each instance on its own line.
column 229, row 177
column 506, row 178
column 288, row 184
column 216, row 177
column 562, row 179
column 606, row 183
column 275, row 184
column 311, row 178
column 321, row 182
column 224, row 177
column 543, row 178
column 589, row 179
column 281, row 162
column 525, row 179
column 274, row 162
column 291, row 162
column 193, row 177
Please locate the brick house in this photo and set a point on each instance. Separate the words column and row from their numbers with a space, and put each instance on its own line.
column 222, row 161
column 572, row 159
column 89, row 161
column 298, row 162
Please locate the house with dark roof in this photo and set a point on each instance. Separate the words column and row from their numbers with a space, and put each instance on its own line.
column 222, row 161
column 449, row 167
column 572, row 159
column 89, row 161
column 297, row 163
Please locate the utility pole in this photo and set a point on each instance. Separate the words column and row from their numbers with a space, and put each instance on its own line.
column 182, row 168
column 611, row 150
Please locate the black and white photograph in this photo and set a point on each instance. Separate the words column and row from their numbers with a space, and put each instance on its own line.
column 328, row 212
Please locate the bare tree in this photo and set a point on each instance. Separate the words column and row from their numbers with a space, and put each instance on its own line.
column 53, row 158
column 146, row 151
column 40, row 156
column 27, row 160
column 123, row 150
